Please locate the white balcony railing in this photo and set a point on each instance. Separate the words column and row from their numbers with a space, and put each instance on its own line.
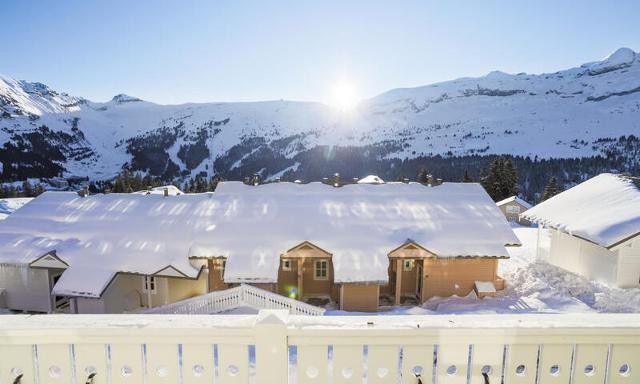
column 243, row 295
column 274, row 347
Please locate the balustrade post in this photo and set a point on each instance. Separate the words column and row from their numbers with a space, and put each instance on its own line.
column 271, row 346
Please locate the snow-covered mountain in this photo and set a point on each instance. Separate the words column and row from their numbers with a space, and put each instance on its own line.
column 577, row 112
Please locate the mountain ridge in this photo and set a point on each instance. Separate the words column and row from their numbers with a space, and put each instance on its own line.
column 573, row 113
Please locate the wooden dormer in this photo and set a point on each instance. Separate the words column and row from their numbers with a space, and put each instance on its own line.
column 411, row 250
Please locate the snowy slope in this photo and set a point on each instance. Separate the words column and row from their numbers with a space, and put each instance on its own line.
column 561, row 115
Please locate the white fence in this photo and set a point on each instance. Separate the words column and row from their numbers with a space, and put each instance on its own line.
column 274, row 347
column 243, row 295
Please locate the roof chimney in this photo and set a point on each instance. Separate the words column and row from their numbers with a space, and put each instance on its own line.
column 405, row 180
column 438, row 181
column 166, row 192
column 429, row 180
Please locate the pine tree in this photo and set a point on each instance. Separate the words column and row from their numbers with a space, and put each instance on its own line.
column 466, row 178
column 423, row 176
column 502, row 180
column 509, row 180
column 27, row 191
column 38, row 190
column 550, row 190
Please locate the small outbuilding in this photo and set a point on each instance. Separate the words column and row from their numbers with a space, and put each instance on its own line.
column 593, row 229
column 512, row 207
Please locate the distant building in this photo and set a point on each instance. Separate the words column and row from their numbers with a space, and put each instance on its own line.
column 512, row 207
column 593, row 229
column 169, row 190
column 371, row 179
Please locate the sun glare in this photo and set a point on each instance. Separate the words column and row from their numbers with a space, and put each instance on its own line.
column 343, row 96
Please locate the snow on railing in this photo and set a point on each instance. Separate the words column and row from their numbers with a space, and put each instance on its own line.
column 275, row 347
column 243, row 295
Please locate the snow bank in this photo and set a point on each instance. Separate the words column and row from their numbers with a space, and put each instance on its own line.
column 604, row 209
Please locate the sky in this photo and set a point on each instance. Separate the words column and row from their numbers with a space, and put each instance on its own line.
column 173, row 52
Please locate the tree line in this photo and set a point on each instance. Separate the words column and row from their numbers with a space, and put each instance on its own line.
column 26, row 189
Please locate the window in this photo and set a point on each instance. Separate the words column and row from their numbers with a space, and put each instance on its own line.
column 408, row 265
column 286, row 264
column 149, row 284
column 321, row 270
column 513, row 209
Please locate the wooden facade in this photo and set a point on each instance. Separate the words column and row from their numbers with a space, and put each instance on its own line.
column 306, row 272
column 415, row 275
column 512, row 207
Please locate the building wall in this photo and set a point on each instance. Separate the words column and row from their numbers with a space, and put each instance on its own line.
column 310, row 286
column 25, row 288
column 287, row 279
column 271, row 287
column 409, row 278
column 583, row 257
column 629, row 265
column 88, row 305
column 359, row 297
column 313, row 287
column 512, row 216
column 456, row 276
column 125, row 293
column 181, row 289
column 216, row 275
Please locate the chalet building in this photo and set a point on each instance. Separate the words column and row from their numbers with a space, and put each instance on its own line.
column 512, row 208
column 354, row 245
column 593, row 229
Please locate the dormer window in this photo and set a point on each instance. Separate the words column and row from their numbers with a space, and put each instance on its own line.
column 321, row 270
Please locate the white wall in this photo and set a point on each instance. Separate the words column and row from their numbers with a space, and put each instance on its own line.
column 629, row 265
column 125, row 294
column 584, row 258
column 25, row 288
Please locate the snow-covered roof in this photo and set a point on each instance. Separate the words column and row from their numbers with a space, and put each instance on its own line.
column 9, row 205
column 371, row 179
column 359, row 224
column 512, row 199
column 101, row 235
column 604, row 209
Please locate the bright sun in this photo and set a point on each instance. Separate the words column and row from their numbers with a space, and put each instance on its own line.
column 343, row 95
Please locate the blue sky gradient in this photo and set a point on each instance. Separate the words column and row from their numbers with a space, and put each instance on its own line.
column 181, row 51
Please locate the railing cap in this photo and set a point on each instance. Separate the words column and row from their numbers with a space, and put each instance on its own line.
column 272, row 317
